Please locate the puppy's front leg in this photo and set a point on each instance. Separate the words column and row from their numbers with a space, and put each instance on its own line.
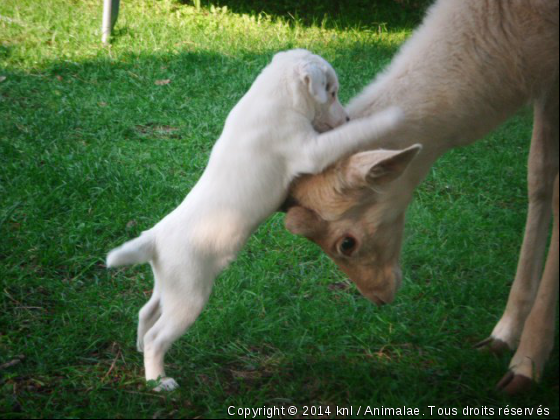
column 327, row 148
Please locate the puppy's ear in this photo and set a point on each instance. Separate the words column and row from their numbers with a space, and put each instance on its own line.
column 314, row 77
column 378, row 167
column 304, row 222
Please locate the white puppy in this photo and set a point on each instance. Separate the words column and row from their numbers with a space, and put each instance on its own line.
column 269, row 138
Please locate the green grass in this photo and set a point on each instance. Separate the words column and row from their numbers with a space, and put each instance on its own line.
column 93, row 151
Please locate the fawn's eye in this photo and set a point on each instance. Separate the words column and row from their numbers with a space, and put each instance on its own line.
column 347, row 245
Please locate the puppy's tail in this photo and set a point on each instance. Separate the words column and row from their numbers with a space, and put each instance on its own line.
column 136, row 251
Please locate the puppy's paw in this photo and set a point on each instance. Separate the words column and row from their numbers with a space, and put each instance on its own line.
column 166, row 384
column 140, row 345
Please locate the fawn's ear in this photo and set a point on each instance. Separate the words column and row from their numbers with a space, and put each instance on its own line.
column 314, row 78
column 378, row 167
column 304, row 222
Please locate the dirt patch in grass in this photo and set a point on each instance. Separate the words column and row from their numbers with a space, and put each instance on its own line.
column 157, row 130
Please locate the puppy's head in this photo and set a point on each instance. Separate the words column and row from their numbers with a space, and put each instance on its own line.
column 315, row 89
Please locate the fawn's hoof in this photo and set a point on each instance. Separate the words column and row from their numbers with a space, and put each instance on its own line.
column 493, row 345
column 514, row 383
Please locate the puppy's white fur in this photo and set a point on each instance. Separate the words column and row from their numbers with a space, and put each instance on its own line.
column 270, row 137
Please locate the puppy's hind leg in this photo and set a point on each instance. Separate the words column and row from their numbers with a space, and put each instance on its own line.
column 147, row 317
column 181, row 304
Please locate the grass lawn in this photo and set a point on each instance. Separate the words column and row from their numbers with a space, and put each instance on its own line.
column 99, row 143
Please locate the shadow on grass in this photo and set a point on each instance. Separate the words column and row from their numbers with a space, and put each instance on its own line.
column 332, row 13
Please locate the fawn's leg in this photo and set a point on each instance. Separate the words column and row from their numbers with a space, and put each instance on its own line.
column 543, row 167
column 537, row 339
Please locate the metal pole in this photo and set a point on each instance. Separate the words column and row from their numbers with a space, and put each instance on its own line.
column 110, row 14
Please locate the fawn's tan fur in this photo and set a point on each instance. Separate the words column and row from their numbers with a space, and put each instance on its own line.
column 466, row 69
